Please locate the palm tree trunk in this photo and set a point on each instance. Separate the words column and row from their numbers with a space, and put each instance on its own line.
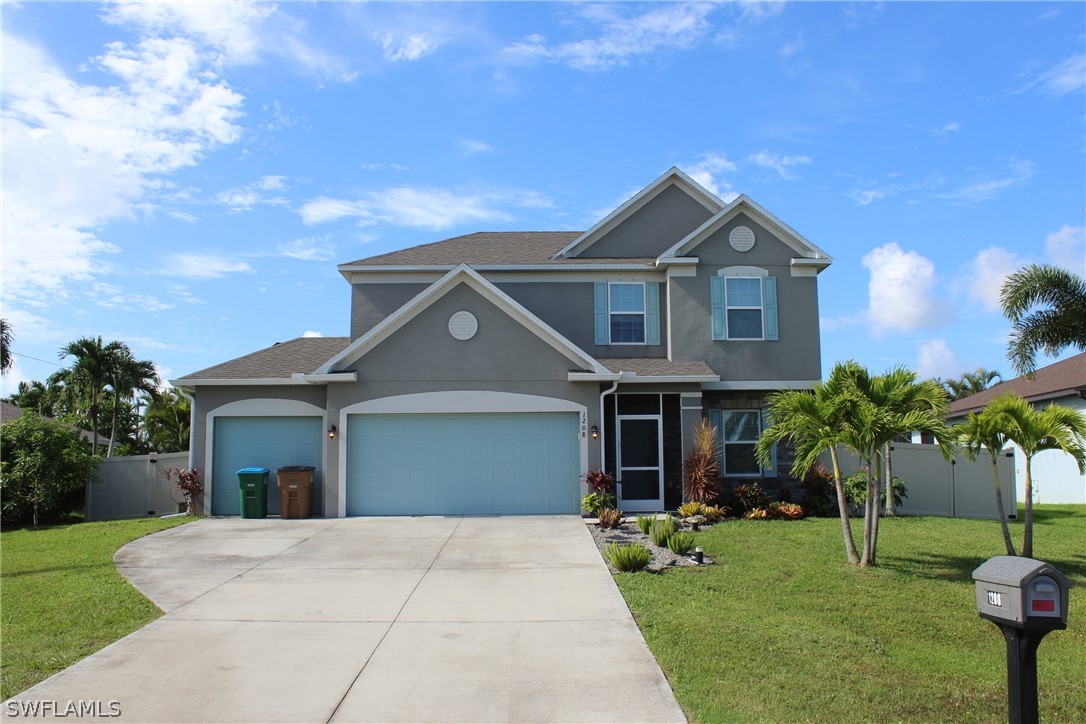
column 889, row 483
column 842, row 509
column 1027, row 544
column 876, row 509
column 113, row 428
column 94, row 429
column 865, row 556
column 999, row 507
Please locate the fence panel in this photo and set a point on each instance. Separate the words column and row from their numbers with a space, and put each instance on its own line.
column 134, row 486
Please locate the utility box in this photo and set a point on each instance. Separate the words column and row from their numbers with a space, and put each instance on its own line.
column 295, row 491
column 253, row 485
column 1022, row 592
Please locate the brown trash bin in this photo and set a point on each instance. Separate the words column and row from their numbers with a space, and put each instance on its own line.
column 295, row 491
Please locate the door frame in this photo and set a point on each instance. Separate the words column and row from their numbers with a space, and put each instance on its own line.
column 646, row 504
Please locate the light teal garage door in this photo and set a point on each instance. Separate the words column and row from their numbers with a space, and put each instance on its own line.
column 463, row 464
column 262, row 442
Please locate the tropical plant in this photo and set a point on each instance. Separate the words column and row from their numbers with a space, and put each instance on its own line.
column 628, row 558
column 756, row 514
column 856, row 489
column 644, row 523
column 42, row 463
column 166, row 421
column 1033, row 431
column 127, row 376
column 970, row 383
column 701, row 465
column 751, row 496
column 661, row 530
column 190, row 484
column 600, row 481
column 818, row 494
column 981, row 431
column 785, row 511
column 680, row 543
column 609, row 517
column 713, row 513
column 34, row 396
column 88, row 376
column 6, row 359
column 1058, row 324
column 689, row 510
column 594, row 502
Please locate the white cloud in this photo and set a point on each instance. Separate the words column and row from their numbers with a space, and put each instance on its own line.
column 987, row 272
column 781, row 164
column 620, row 38
column 411, row 47
column 935, row 359
column 323, row 209
column 207, row 265
column 706, row 171
column 952, row 127
column 1067, row 248
column 383, row 167
column 792, row 47
column 246, row 197
column 986, row 189
column 866, row 196
column 113, row 296
column 470, row 147
column 901, row 291
column 271, row 183
column 307, row 249
column 311, row 333
column 1067, row 76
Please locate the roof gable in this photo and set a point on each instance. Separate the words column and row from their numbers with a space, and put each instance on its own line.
column 744, row 204
column 462, row 274
column 673, row 178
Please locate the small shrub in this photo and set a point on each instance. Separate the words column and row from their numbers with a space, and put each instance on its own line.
column 713, row 513
column 751, row 496
column 785, row 511
column 686, row 510
column 609, row 518
column 627, row 558
column 680, row 543
column 756, row 514
column 594, row 502
column 661, row 530
column 700, row 467
column 190, row 485
column 600, row 482
column 856, row 489
column 644, row 523
column 819, row 492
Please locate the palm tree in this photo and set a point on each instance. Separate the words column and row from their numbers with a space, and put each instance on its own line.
column 1033, row 431
column 1060, row 325
column 167, row 419
column 970, row 383
column 88, row 376
column 813, row 421
column 34, row 396
column 5, row 346
column 981, row 430
column 127, row 377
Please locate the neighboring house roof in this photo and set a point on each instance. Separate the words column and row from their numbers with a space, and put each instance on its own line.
column 489, row 248
column 1062, row 379
column 9, row 411
column 281, row 361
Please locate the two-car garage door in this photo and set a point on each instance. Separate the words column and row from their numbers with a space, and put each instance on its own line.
column 461, row 464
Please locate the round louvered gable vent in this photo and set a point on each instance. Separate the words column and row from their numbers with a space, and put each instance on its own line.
column 741, row 238
column 463, row 325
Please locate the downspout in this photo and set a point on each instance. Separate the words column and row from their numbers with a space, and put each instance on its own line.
column 603, row 424
column 192, row 418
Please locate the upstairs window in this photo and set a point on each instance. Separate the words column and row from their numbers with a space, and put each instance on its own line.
column 744, row 305
column 743, row 301
column 626, row 306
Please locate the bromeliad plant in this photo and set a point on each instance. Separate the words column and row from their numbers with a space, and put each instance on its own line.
column 602, row 494
column 627, row 558
column 609, row 518
column 189, row 483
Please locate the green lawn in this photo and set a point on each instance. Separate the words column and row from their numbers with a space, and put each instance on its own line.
column 783, row 630
column 61, row 597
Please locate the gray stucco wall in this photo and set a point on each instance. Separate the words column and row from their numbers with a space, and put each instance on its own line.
column 371, row 303
column 652, row 229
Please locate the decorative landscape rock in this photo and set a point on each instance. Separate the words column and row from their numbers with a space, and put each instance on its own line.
column 628, row 534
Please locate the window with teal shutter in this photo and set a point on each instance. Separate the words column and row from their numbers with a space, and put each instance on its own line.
column 602, row 334
column 652, row 313
column 720, row 329
column 744, row 308
column 769, row 295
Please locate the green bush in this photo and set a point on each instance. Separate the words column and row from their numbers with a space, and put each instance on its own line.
column 43, row 465
column 594, row 502
column 856, row 489
column 680, row 543
column 644, row 523
column 661, row 530
column 628, row 558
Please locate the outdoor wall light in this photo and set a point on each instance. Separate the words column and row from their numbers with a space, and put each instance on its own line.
column 595, row 433
column 331, row 432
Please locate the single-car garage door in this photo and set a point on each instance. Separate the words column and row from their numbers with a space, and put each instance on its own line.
column 262, row 442
column 471, row 464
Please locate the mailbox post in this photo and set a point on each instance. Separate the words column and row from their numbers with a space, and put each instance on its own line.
column 1026, row 599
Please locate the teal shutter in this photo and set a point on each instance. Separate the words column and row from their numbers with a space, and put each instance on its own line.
column 769, row 300
column 720, row 323
column 652, row 312
column 771, row 471
column 603, row 335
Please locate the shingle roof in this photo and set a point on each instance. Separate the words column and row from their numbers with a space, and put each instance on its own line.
column 9, row 411
column 281, row 360
column 513, row 248
column 658, row 367
column 1067, row 377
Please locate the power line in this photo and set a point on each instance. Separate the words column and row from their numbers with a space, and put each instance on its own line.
column 20, row 354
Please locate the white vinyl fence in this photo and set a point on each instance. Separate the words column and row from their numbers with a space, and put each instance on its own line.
column 135, row 486
column 954, row 488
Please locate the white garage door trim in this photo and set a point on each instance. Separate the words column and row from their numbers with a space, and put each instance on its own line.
column 257, row 407
column 460, row 401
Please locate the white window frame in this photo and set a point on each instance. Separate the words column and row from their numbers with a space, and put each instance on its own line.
column 728, row 306
column 724, row 445
column 643, row 313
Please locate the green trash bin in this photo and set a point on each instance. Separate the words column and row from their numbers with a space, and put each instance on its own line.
column 253, row 483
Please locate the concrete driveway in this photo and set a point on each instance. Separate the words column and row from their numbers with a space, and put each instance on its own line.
column 374, row 619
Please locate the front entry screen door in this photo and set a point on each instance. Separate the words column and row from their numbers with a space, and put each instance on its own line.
column 639, row 467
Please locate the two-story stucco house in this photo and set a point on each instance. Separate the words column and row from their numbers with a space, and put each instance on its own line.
column 487, row 373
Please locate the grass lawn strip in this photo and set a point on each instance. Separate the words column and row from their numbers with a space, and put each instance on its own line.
column 62, row 599
column 782, row 629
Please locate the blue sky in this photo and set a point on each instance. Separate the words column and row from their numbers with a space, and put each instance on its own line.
column 185, row 177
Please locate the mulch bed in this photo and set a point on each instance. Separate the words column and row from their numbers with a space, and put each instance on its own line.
column 628, row 533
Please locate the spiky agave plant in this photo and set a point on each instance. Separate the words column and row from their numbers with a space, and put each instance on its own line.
column 701, row 465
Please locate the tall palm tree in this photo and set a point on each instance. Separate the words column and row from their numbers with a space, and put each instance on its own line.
column 88, row 376
column 167, row 419
column 1061, row 324
column 981, row 431
column 127, row 376
column 970, row 383
column 814, row 422
column 1033, row 431
column 5, row 346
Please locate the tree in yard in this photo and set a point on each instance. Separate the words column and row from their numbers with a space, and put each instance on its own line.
column 1033, row 431
column 981, row 431
column 41, row 462
column 970, row 383
column 88, row 376
column 5, row 346
column 1061, row 323
column 34, row 396
column 167, row 421
column 127, row 376
column 815, row 422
